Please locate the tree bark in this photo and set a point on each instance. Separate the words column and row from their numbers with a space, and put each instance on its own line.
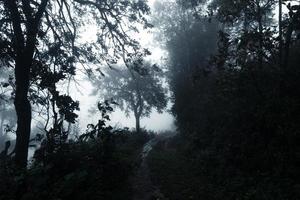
column 280, row 32
column 23, row 109
column 24, row 47
column 137, row 123
column 260, row 31
column 288, row 37
column 1, row 126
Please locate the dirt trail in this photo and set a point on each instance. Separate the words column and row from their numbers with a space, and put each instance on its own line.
column 143, row 188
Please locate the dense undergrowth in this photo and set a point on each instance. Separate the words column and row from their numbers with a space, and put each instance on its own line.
column 182, row 174
column 242, row 142
column 234, row 80
column 238, row 140
column 93, row 169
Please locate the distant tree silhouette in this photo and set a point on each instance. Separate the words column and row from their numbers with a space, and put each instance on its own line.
column 136, row 89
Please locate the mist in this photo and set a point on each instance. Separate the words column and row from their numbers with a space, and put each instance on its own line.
column 149, row 99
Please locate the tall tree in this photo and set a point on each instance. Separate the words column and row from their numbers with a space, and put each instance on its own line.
column 25, row 24
column 136, row 89
column 292, row 26
column 190, row 42
column 246, row 117
column 280, row 30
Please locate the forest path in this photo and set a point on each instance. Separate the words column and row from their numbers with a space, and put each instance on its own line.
column 143, row 187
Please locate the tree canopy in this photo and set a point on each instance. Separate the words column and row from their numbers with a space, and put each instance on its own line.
column 37, row 36
column 137, row 89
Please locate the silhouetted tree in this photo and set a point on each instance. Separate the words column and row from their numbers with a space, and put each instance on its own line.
column 190, row 42
column 238, row 116
column 27, row 27
column 136, row 89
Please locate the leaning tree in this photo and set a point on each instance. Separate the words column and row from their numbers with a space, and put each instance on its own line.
column 31, row 29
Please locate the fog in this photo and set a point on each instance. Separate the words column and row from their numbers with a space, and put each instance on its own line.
column 157, row 99
column 156, row 121
column 82, row 91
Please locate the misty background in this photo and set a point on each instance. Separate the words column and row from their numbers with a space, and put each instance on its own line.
column 149, row 99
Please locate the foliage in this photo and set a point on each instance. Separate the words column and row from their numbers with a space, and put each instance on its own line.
column 136, row 89
column 234, row 79
column 43, row 36
column 80, row 170
column 100, row 129
column 237, row 118
column 190, row 43
column 91, row 167
column 172, row 170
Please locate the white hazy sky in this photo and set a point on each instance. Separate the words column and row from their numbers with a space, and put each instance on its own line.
column 156, row 121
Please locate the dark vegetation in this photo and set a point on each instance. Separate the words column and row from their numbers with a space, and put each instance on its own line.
column 172, row 169
column 96, row 166
column 233, row 74
column 237, row 111
column 79, row 170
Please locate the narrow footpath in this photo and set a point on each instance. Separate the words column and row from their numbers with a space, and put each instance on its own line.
column 143, row 187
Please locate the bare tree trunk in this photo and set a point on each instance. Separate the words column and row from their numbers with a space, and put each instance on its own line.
column 288, row 38
column 280, row 32
column 24, row 47
column 260, row 30
column 23, row 109
column 1, row 127
column 137, row 123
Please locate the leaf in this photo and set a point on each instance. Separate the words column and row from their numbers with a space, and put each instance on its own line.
column 5, row 84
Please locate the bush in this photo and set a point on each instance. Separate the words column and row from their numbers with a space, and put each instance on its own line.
column 93, row 169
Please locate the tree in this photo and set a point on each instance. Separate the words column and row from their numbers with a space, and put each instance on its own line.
column 189, row 42
column 244, row 121
column 29, row 28
column 292, row 25
column 136, row 89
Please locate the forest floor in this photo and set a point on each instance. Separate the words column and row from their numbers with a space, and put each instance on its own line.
column 143, row 187
column 172, row 171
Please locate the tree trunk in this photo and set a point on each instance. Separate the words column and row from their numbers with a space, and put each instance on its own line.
column 1, row 126
column 23, row 109
column 260, row 31
column 24, row 47
column 137, row 123
column 280, row 32
column 288, row 37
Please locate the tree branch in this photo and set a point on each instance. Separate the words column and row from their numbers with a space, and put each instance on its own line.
column 41, row 11
column 16, row 22
column 27, row 10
